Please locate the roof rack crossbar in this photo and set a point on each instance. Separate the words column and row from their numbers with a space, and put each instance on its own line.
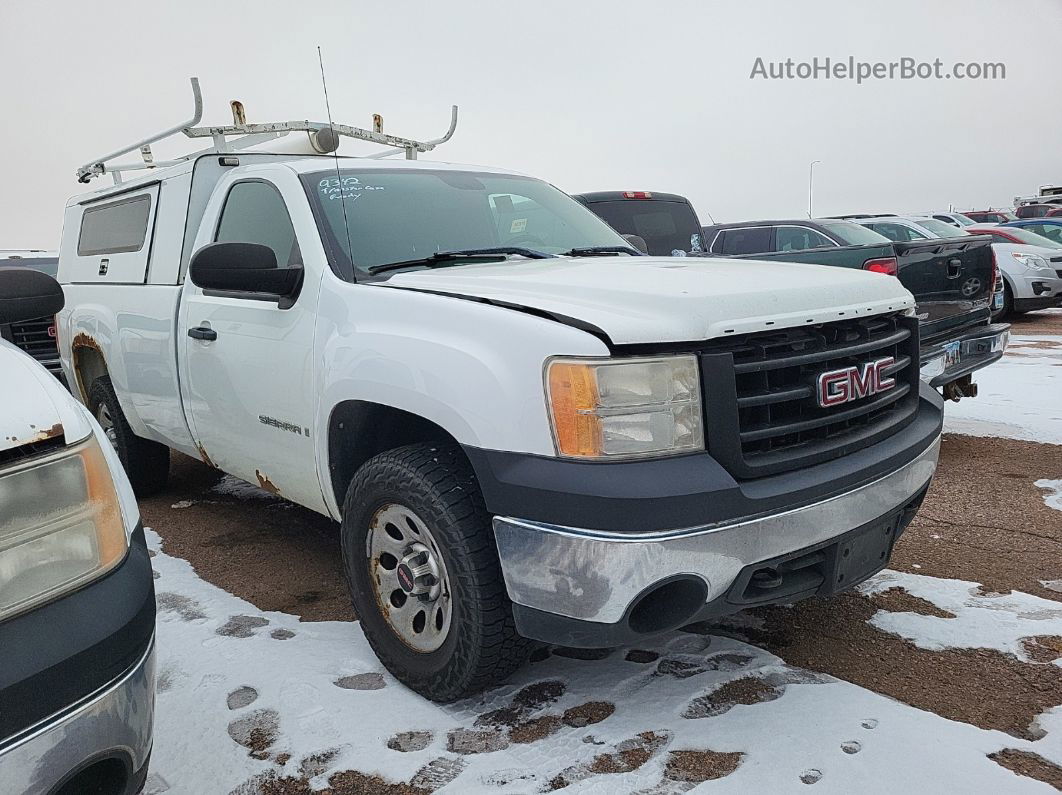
column 96, row 167
column 253, row 134
column 396, row 143
column 429, row 144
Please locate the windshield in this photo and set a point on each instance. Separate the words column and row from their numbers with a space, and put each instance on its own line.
column 962, row 220
column 1031, row 238
column 939, row 228
column 399, row 215
column 853, row 234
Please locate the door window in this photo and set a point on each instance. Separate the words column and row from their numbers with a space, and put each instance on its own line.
column 898, row 232
column 254, row 212
column 751, row 240
column 798, row 238
column 1050, row 231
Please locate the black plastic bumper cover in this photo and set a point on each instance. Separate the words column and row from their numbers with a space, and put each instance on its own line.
column 681, row 491
column 62, row 652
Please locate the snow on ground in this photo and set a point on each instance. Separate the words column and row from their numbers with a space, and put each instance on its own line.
column 1018, row 396
column 985, row 621
column 229, row 673
column 1054, row 499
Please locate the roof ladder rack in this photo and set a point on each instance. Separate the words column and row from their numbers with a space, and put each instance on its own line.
column 324, row 138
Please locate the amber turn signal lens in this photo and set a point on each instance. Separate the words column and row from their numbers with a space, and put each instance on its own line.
column 110, row 532
column 573, row 398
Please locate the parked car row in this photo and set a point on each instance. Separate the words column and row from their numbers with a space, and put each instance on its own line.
column 1030, row 264
column 953, row 282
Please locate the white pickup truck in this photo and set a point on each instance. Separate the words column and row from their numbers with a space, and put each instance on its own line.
column 527, row 430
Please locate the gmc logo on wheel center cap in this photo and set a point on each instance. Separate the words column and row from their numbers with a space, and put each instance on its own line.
column 852, row 383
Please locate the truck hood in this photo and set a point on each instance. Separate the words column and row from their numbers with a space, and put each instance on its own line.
column 34, row 406
column 670, row 299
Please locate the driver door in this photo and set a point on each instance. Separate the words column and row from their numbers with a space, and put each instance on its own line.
column 247, row 364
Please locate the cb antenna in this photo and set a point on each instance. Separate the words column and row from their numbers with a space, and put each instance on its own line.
column 335, row 156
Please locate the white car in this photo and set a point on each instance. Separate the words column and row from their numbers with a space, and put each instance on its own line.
column 905, row 228
column 953, row 219
column 77, row 601
column 527, row 429
column 1031, row 266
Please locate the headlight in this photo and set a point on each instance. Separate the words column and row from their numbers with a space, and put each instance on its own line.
column 1033, row 261
column 625, row 408
column 60, row 527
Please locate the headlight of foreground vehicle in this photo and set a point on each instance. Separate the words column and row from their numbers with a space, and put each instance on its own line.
column 1032, row 261
column 626, row 408
column 60, row 527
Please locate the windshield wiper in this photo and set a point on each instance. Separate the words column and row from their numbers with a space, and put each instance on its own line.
column 467, row 254
column 603, row 251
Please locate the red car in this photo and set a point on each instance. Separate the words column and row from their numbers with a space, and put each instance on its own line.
column 1037, row 210
column 990, row 216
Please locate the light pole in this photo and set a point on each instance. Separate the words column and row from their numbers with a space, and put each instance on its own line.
column 811, row 184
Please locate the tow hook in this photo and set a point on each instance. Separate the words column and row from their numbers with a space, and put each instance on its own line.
column 963, row 387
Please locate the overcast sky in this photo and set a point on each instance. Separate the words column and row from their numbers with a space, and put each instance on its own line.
column 623, row 94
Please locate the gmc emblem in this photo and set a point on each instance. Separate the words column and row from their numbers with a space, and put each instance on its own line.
column 852, row 383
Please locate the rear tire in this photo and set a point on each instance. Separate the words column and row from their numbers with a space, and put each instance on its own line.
column 146, row 463
column 474, row 643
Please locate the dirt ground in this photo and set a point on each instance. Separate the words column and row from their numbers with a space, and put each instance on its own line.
column 1047, row 322
column 983, row 521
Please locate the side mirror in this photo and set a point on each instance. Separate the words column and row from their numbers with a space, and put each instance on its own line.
column 26, row 294
column 243, row 268
column 638, row 242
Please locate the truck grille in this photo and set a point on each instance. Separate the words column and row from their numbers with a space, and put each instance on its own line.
column 37, row 338
column 763, row 413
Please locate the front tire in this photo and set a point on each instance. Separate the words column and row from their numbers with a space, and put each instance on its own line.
column 423, row 573
column 146, row 463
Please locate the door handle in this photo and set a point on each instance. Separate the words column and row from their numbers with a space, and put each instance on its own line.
column 954, row 268
column 202, row 333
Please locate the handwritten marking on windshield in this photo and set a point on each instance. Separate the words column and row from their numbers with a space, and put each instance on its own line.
column 349, row 188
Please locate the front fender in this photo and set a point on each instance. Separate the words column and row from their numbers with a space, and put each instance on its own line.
column 471, row 368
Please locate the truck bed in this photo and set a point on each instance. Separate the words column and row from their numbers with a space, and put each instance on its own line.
column 950, row 278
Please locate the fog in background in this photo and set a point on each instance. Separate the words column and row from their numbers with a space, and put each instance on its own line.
column 625, row 94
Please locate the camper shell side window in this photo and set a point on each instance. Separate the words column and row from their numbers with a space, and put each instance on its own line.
column 116, row 227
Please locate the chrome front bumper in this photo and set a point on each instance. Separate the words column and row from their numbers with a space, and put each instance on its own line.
column 115, row 721
column 592, row 575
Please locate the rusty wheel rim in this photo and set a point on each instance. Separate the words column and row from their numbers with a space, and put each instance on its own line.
column 408, row 576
